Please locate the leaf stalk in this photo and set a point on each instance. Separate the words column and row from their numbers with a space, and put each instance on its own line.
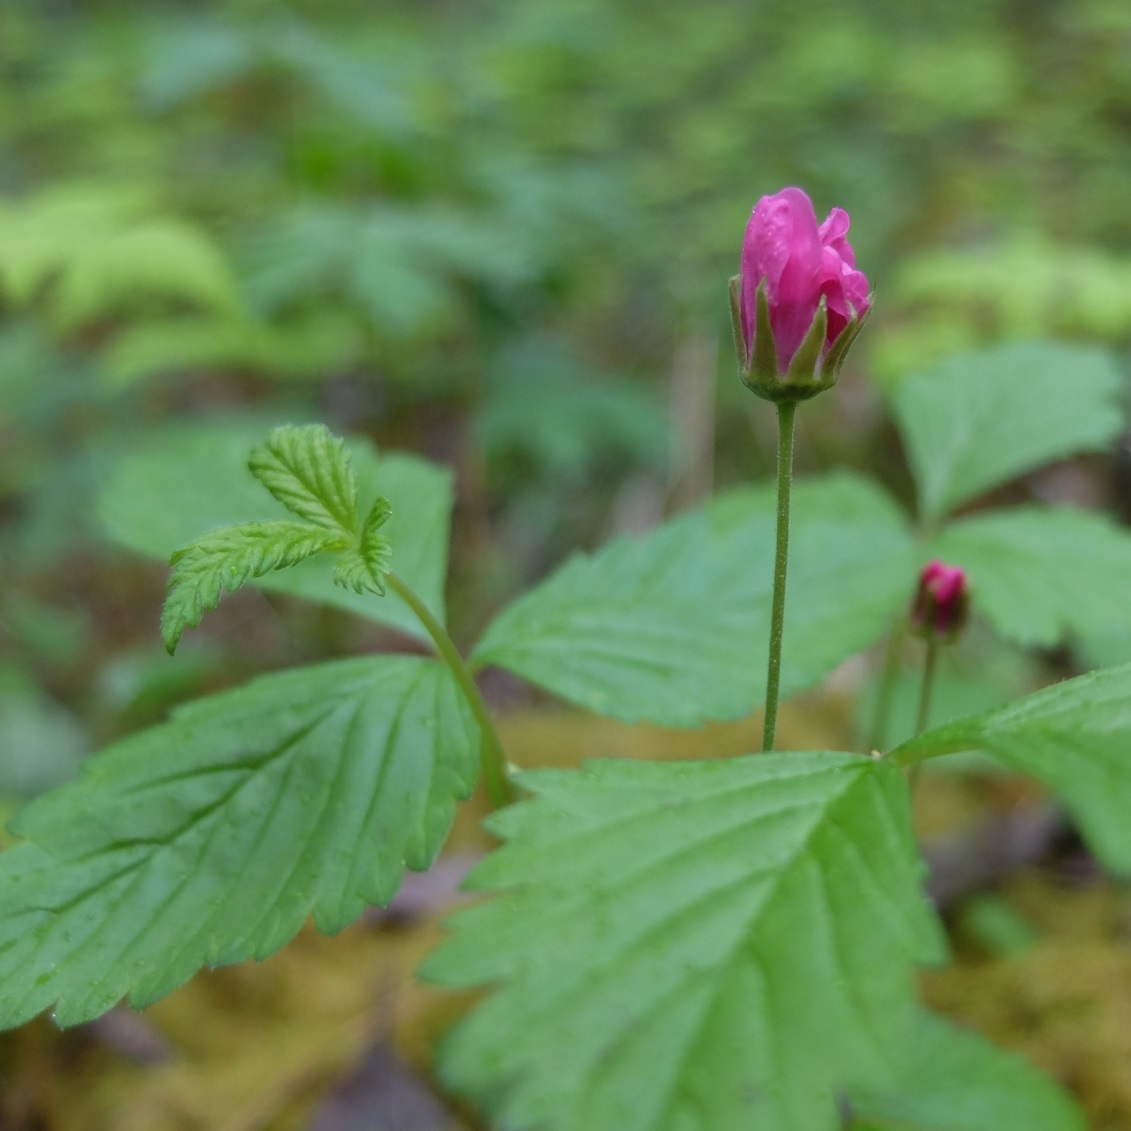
column 493, row 761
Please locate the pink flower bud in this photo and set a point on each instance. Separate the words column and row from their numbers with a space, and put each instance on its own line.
column 813, row 299
column 942, row 602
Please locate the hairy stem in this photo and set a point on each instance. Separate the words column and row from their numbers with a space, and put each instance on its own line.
column 492, row 759
column 786, row 413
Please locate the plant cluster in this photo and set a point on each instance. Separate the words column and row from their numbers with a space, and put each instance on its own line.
column 711, row 944
column 487, row 234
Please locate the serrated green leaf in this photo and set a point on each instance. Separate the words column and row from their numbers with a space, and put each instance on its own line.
column 980, row 419
column 308, row 469
column 674, row 627
column 212, row 838
column 362, row 568
column 182, row 481
column 1074, row 737
column 226, row 559
column 1041, row 574
column 954, row 1080
column 707, row 944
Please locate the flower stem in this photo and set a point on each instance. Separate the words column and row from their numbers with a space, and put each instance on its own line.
column 786, row 413
column 493, row 761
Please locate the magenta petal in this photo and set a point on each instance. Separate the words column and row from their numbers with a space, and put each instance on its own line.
column 845, row 291
column 941, row 601
column 833, row 232
column 855, row 287
column 803, row 260
column 799, row 263
column 765, row 253
column 786, row 252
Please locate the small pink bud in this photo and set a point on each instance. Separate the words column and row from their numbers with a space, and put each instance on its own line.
column 942, row 602
column 813, row 300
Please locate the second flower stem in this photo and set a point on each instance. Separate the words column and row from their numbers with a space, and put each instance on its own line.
column 885, row 692
column 492, row 759
column 924, row 714
column 786, row 412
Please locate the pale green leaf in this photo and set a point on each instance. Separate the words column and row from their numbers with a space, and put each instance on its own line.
column 1021, row 287
column 713, row 945
column 93, row 252
column 228, row 558
column 303, row 346
column 362, row 567
column 179, row 483
column 126, row 270
column 980, row 419
column 954, row 1080
column 308, row 469
column 1041, row 575
column 1074, row 737
column 212, row 838
column 674, row 627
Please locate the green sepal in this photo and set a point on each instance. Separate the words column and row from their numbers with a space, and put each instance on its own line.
column 763, row 372
column 808, row 374
column 834, row 359
column 735, row 288
column 805, row 368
